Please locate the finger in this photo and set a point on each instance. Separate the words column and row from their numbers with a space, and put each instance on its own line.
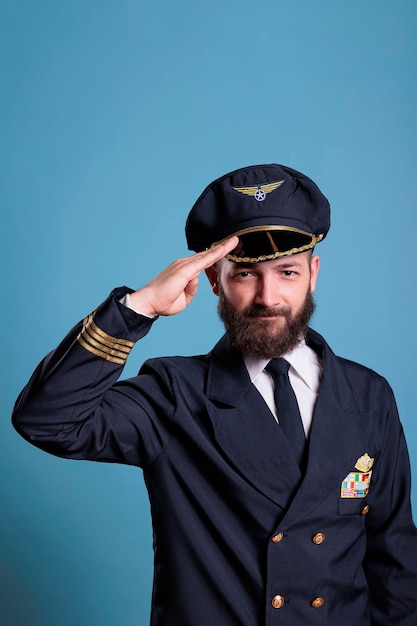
column 216, row 252
column 191, row 289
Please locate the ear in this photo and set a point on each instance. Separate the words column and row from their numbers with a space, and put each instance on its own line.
column 314, row 271
column 213, row 276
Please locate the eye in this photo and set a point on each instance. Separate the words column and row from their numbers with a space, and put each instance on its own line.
column 243, row 274
column 290, row 274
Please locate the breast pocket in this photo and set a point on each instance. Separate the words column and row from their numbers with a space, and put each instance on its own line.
column 353, row 506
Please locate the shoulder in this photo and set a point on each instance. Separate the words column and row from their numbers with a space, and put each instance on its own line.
column 221, row 356
column 361, row 379
column 183, row 369
column 316, row 342
column 355, row 369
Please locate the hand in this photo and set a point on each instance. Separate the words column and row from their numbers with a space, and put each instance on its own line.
column 173, row 289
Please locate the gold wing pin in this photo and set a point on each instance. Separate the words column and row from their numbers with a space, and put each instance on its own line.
column 259, row 191
column 364, row 463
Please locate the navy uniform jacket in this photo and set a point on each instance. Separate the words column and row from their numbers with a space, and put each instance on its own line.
column 241, row 538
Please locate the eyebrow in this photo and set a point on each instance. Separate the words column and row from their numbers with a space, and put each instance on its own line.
column 284, row 264
column 289, row 264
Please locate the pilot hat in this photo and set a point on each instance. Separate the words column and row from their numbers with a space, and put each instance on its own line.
column 274, row 210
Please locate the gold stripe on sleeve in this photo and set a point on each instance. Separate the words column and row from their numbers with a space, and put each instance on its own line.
column 98, row 342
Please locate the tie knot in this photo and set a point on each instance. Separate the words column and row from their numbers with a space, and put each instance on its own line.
column 277, row 367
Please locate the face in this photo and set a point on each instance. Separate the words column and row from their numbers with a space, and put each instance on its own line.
column 266, row 306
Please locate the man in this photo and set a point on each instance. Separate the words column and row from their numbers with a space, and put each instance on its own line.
column 266, row 510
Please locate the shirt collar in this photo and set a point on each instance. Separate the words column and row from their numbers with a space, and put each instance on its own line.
column 304, row 362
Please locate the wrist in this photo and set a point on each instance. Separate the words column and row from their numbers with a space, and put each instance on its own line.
column 138, row 302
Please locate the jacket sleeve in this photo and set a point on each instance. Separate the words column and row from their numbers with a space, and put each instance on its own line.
column 391, row 558
column 73, row 407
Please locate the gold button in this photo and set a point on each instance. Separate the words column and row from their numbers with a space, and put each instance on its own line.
column 319, row 538
column 317, row 603
column 277, row 602
column 277, row 538
column 365, row 509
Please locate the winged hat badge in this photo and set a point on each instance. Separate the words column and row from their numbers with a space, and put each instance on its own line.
column 259, row 191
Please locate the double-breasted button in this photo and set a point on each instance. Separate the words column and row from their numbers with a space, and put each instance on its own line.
column 365, row 509
column 317, row 603
column 277, row 602
column 319, row 538
column 277, row 538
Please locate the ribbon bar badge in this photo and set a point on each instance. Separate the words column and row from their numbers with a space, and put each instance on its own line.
column 355, row 485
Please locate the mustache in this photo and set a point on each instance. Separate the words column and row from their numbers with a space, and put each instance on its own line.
column 263, row 311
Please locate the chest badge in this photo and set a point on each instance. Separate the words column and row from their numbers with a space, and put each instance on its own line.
column 356, row 484
column 364, row 463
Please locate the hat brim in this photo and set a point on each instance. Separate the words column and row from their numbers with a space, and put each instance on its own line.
column 265, row 243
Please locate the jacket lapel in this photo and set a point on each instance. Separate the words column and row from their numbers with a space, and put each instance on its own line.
column 245, row 428
column 339, row 429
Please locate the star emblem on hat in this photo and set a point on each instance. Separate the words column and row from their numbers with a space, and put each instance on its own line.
column 259, row 192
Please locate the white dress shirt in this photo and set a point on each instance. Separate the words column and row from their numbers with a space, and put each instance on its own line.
column 305, row 377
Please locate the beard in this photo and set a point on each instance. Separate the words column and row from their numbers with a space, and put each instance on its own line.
column 264, row 339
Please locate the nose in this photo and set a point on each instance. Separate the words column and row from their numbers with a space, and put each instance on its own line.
column 267, row 292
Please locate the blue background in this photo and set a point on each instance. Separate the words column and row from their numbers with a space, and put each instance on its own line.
column 114, row 116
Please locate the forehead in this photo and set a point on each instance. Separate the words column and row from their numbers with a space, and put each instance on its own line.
column 295, row 260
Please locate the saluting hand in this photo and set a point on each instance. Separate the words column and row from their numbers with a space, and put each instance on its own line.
column 173, row 289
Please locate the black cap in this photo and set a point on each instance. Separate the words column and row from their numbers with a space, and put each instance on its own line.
column 275, row 211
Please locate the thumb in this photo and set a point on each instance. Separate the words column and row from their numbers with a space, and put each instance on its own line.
column 191, row 289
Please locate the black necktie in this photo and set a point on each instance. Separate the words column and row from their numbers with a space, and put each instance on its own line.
column 287, row 408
